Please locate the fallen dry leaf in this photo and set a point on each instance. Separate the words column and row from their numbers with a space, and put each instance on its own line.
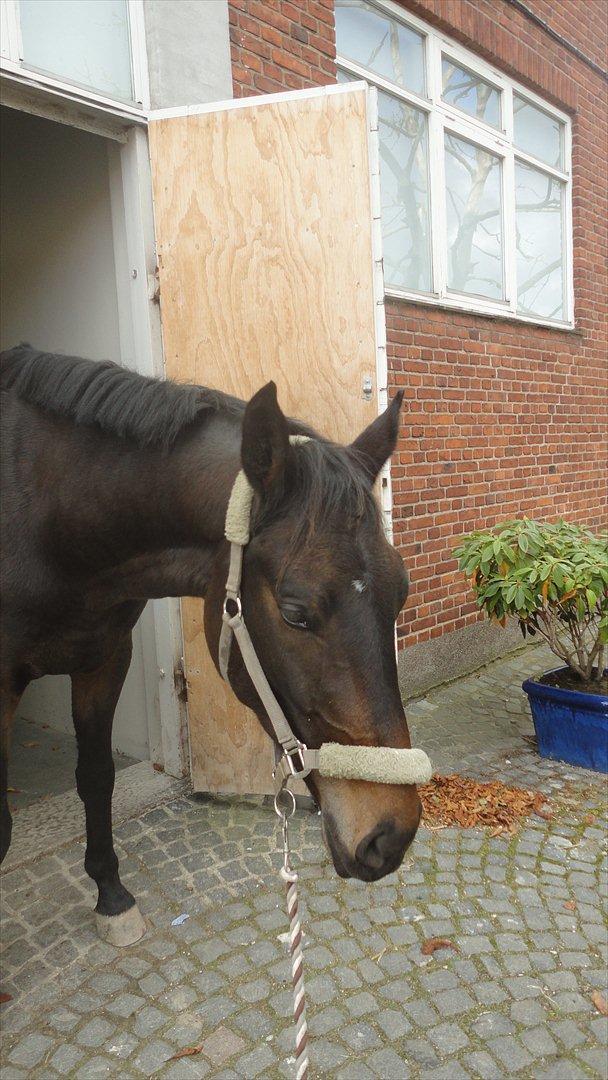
column 570, row 905
column 30, row 745
column 4, row 998
column 14, row 790
column 459, row 800
column 188, row 1051
column 600, row 1002
column 431, row 944
column 158, row 768
column 589, row 819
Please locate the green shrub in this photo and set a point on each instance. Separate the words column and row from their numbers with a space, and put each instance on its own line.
column 552, row 579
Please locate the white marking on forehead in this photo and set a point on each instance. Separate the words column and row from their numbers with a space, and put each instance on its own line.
column 359, row 586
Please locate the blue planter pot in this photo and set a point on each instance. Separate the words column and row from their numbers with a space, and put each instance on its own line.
column 570, row 726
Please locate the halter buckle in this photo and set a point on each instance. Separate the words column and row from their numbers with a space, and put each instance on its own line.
column 291, row 763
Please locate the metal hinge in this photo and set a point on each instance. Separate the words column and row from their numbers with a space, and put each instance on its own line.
column 154, row 287
column 180, row 681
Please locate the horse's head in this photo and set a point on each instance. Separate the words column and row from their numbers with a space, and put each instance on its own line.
column 321, row 590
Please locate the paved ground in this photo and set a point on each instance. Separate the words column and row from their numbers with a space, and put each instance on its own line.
column 515, row 1000
column 42, row 762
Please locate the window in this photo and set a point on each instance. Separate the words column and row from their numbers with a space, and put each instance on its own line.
column 473, row 186
column 469, row 92
column 83, row 41
column 405, row 205
column 92, row 48
column 380, row 43
column 475, row 171
column 538, row 217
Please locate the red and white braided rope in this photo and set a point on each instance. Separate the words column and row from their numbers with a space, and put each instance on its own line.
column 297, row 972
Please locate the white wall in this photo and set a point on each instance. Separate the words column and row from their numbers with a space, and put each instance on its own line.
column 188, row 48
column 58, row 278
column 58, row 292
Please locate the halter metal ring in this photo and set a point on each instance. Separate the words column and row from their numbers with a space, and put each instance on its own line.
column 236, row 600
column 288, row 810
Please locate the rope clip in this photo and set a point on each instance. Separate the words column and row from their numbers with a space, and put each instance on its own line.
column 284, row 813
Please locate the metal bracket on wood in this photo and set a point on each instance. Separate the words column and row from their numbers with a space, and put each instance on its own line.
column 154, row 287
column 180, row 680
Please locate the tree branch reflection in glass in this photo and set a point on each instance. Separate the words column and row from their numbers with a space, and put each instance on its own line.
column 474, row 219
column 470, row 93
column 371, row 38
column 405, row 195
column 539, row 246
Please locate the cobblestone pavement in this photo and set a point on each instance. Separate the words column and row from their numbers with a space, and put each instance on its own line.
column 515, row 1000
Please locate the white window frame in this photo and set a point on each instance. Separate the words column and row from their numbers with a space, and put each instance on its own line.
column 444, row 117
column 12, row 62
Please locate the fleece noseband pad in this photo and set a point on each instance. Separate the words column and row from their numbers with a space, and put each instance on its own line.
column 378, row 764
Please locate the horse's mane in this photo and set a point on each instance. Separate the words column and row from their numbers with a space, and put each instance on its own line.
column 325, row 481
column 151, row 412
column 325, row 487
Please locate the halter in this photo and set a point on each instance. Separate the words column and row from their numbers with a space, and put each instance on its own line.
column 377, row 764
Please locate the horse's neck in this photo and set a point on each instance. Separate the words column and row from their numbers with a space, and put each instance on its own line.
column 201, row 470
column 117, row 502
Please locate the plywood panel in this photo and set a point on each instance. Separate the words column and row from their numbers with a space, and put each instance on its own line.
column 265, row 255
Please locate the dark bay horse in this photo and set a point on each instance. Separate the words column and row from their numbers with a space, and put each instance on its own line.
column 115, row 490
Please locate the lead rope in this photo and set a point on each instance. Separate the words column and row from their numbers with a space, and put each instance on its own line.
column 290, row 877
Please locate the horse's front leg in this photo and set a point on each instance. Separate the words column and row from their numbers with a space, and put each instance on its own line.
column 94, row 699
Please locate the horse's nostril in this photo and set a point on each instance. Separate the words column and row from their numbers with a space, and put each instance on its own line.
column 386, row 844
column 371, row 851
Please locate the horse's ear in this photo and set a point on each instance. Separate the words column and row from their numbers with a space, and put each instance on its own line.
column 265, row 445
column 375, row 445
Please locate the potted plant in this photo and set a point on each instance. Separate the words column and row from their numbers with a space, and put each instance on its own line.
column 553, row 580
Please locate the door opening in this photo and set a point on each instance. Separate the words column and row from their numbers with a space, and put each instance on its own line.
column 59, row 292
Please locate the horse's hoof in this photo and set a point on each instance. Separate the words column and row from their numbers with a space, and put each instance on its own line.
column 121, row 930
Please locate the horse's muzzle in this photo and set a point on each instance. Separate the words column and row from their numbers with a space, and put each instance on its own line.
column 379, row 853
column 382, row 850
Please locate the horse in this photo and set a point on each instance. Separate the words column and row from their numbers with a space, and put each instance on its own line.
column 114, row 491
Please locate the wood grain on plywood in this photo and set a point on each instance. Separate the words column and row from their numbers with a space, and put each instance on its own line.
column 265, row 255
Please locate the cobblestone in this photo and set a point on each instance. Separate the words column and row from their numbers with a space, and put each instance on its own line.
column 30, row 1050
column 515, row 1000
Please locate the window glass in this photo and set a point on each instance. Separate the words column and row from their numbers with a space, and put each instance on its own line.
column 470, row 93
column 537, row 133
column 480, row 224
column 474, row 219
column 82, row 41
column 405, row 194
column 540, row 272
column 404, row 182
column 371, row 38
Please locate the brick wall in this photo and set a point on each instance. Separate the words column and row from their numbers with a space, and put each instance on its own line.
column 501, row 418
column 506, row 418
column 279, row 45
column 499, row 421
column 583, row 24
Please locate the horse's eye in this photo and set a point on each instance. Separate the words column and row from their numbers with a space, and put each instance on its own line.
column 295, row 616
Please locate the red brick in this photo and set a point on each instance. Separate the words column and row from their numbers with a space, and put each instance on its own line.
column 297, row 35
